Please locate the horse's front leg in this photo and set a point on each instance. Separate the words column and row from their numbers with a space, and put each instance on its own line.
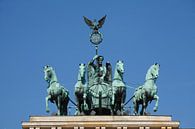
column 113, row 96
column 59, row 106
column 122, row 108
column 156, row 104
column 46, row 102
column 84, row 102
column 144, row 108
column 122, row 102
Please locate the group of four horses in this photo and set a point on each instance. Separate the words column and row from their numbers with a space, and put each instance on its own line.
column 142, row 96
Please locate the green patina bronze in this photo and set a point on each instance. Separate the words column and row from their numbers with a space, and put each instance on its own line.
column 99, row 89
column 80, row 90
column 96, row 36
column 147, row 92
column 96, row 91
column 56, row 93
column 119, row 89
column 100, row 95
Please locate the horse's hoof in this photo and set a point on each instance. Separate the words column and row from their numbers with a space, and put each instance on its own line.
column 118, row 113
column 82, row 114
column 112, row 113
column 92, row 113
column 47, row 109
column 136, row 114
column 155, row 109
column 145, row 113
column 76, row 113
column 58, row 114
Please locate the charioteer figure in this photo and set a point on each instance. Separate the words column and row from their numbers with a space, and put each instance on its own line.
column 99, row 69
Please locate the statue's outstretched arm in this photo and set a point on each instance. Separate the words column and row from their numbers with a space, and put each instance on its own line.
column 95, row 57
column 92, row 61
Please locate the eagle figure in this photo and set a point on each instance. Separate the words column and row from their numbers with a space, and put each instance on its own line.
column 94, row 25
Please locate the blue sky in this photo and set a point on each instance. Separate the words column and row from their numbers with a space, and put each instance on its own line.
column 34, row 33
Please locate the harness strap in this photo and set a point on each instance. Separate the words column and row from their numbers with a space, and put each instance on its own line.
column 52, row 82
column 117, row 79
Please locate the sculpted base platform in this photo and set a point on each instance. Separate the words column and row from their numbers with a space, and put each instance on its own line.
column 100, row 122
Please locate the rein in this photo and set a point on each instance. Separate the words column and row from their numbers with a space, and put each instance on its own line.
column 121, row 76
column 49, row 84
column 80, row 80
column 150, row 79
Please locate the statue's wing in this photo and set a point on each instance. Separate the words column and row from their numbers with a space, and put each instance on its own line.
column 101, row 21
column 88, row 22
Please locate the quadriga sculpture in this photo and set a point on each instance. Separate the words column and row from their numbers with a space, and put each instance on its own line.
column 119, row 89
column 56, row 93
column 147, row 92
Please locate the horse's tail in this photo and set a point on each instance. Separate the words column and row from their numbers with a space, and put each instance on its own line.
column 129, row 100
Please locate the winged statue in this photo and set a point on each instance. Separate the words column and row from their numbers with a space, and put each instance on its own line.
column 94, row 25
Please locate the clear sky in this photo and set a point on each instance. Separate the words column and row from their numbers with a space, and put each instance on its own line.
column 34, row 33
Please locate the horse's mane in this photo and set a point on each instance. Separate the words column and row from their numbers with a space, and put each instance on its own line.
column 148, row 74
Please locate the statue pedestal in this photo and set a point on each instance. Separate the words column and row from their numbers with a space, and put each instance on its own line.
column 100, row 122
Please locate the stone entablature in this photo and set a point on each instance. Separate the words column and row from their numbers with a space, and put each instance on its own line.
column 100, row 122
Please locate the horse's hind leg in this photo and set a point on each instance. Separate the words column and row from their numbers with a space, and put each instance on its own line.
column 156, row 104
column 136, row 108
column 142, row 110
column 144, row 105
column 64, row 108
column 123, row 101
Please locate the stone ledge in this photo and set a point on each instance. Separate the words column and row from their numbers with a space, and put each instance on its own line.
column 100, row 118
column 100, row 124
column 69, row 122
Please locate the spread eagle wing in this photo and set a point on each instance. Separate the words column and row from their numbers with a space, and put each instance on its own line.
column 88, row 22
column 101, row 22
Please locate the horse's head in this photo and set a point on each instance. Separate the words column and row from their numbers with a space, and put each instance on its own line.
column 49, row 73
column 153, row 71
column 82, row 70
column 120, row 67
